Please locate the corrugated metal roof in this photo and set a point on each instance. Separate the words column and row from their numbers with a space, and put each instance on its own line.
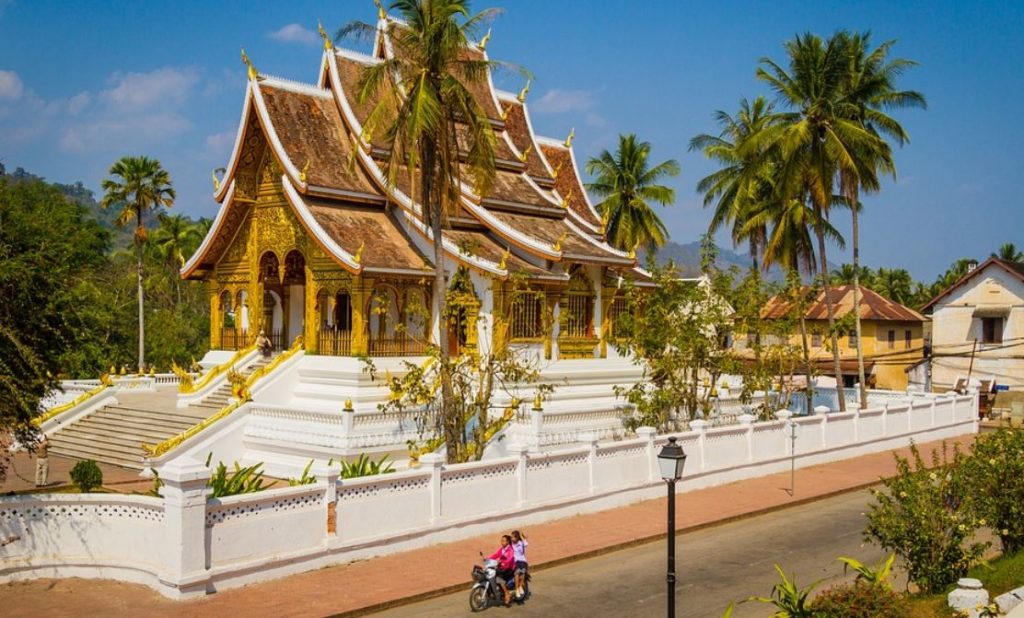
column 873, row 306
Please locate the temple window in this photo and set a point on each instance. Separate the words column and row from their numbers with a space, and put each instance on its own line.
column 336, row 324
column 526, row 321
column 579, row 322
column 616, row 317
column 343, row 311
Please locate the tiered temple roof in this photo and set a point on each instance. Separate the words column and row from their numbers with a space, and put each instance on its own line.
column 535, row 215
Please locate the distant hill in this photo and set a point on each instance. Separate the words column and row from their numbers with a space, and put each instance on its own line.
column 687, row 259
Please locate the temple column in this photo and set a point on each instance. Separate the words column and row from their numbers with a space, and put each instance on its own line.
column 607, row 298
column 499, row 316
column 311, row 326
column 553, row 322
column 362, row 288
column 216, row 315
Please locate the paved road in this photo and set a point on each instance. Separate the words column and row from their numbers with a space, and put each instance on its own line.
column 718, row 565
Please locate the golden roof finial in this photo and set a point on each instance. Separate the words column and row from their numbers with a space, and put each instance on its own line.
column 558, row 243
column 503, row 264
column 572, row 135
column 358, row 257
column 484, row 41
column 248, row 63
column 328, row 43
column 305, row 169
column 522, row 93
column 348, row 405
column 381, row 13
column 216, row 181
column 526, row 153
column 538, row 402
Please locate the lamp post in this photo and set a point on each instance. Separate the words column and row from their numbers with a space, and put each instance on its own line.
column 671, row 460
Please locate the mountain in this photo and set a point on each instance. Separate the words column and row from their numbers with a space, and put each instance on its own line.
column 687, row 260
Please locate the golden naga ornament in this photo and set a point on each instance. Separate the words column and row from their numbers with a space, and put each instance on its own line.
column 328, row 43
column 216, row 181
column 358, row 257
column 381, row 13
column 558, row 243
column 555, row 172
column 572, row 136
column 567, row 199
column 503, row 264
column 253, row 74
column 483, row 42
column 526, row 153
column 305, row 169
column 521, row 97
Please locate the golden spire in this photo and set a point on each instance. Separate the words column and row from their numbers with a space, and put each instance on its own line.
column 248, row 63
column 572, row 135
column 503, row 264
column 358, row 257
column 526, row 153
column 381, row 13
column 558, row 243
column 348, row 405
column 483, row 41
column 522, row 93
column 305, row 169
column 216, row 181
column 328, row 43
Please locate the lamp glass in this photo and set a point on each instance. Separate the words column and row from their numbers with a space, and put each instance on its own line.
column 671, row 460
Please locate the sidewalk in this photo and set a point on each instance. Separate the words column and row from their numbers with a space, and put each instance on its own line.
column 21, row 474
column 361, row 587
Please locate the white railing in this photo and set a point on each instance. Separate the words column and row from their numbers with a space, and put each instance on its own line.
column 184, row 544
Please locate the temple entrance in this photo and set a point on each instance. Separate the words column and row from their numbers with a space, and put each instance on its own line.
column 295, row 295
column 284, row 296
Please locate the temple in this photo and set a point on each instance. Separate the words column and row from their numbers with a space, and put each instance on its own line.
column 312, row 240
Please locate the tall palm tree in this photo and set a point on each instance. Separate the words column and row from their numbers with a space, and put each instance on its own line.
column 816, row 143
column 846, row 274
column 627, row 183
column 137, row 186
column 896, row 284
column 1008, row 251
column 871, row 92
column 427, row 106
column 744, row 180
column 176, row 238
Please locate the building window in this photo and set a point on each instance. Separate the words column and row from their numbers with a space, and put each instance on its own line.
column 816, row 340
column 991, row 330
column 907, row 337
column 526, row 320
column 892, row 339
column 853, row 339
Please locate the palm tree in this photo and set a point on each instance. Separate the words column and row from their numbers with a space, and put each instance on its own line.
column 846, row 274
column 138, row 185
column 896, row 284
column 871, row 91
column 744, row 180
column 816, row 143
column 1008, row 252
column 627, row 184
column 427, row 103
column 176, row 238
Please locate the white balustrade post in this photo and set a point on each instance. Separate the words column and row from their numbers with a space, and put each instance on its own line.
column 823, row 425
column 975, row 403
column 885, row 419
column 184, row 491
column 329, row 474
column 590, row 439
column 786, row 417
column 933, row 413
column 536, row 426
column 747, row 420
column 434, row 463
column 348, row 418
column 522, row 451
column 701, row 427
column 647, row 434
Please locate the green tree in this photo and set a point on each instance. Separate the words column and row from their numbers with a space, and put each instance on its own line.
column 426, row 112
column 996, row 475
column 48, row 246
column 816, row 141
column 1009, row 252
column 177, row 237
column 628, row 184
column 139, row 185
column 896, row 284
column 743, row 184
column 846, row 273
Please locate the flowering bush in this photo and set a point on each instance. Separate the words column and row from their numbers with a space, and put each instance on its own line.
column 996, row 475
column 860, row 599
column 926, row 517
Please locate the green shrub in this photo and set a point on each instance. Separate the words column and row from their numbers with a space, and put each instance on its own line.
column 789, row 600
column 860, row 600
column 926, row 517
column 240, row 481
column 996, row 472
column 364, row 466
column 305, row 479
column 86, row 475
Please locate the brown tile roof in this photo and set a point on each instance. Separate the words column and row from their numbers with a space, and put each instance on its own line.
column 519, row 132
column 1014, row 268
column 514, row 188
column 384, row 244
column 310, row 129
column 349, row 71
column 482, row 245
column 551, row 231
column 568, row 185
column 873, row 306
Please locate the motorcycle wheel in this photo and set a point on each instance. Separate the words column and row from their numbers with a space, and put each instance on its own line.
column 478, row 599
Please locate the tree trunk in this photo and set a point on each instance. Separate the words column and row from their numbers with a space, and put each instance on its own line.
column 142, row 326
column 451, row 425
column 856, row 305
column 808, row 391
column 820, row 232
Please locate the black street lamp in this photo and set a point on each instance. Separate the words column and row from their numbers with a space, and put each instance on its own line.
column 671, row 460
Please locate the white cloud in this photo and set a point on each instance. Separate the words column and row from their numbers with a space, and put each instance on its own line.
column 556, row 101
column 159, row 87
column 78, row 102
column 10, row 84
column 221, row 143
column 294, row 33
column 119, row 131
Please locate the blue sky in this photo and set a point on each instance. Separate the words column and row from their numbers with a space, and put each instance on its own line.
column 82, row 83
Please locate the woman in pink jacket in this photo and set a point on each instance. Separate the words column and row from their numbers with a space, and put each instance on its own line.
column 506, row 565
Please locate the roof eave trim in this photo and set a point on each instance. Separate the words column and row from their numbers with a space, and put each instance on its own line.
column 204, row 247
column 344, row 258
column 453, row 250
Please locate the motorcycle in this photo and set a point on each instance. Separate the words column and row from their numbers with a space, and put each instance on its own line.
column 486, row 591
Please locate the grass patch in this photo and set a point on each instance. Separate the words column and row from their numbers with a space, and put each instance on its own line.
column 1001, row 575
